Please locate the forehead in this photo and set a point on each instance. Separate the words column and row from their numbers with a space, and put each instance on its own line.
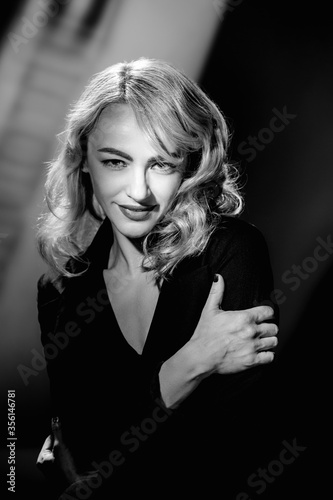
column 118, row 123
column 115, row 119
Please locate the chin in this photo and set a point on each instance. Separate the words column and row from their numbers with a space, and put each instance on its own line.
column 137, row 234
column 135, row 229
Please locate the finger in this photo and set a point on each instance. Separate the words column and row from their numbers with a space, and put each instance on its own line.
column 267, row 330
column 264, row 357
column 45, row 457
column 46, row 454
column 48, row 443
column 261, row 313
column 56, row 430
column 214, row 299
column 265, row 344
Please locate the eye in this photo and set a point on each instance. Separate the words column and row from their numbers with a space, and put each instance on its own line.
column 164, row 167
column 114, row 164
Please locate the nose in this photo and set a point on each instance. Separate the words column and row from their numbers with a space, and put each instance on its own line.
column 138, row 185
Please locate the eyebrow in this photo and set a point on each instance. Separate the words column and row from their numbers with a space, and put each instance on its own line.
column 117, row 152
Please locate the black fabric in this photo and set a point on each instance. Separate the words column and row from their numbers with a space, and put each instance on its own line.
column 107, row 395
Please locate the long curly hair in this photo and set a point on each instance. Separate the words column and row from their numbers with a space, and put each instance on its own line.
column 167, row 104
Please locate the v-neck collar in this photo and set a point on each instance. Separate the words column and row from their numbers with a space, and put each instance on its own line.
column 98, row 256
column 150, row 328
column 181, row 299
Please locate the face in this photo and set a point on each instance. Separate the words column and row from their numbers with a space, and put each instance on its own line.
column 131, row 182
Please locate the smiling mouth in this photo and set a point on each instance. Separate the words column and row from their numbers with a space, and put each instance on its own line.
column 137, row 213
column 135, row 208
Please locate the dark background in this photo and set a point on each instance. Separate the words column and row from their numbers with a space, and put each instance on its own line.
column 276, row 55
column 265, row 57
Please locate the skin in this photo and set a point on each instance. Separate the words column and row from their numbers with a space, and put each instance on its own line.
column 136, row 176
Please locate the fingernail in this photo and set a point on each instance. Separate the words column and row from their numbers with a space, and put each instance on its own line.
column 55, row 423
column 216, row 278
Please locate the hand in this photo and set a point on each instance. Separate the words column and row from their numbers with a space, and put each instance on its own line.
column 233, row 341
column 55, row 460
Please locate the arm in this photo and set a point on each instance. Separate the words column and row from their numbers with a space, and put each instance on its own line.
column 226, row 342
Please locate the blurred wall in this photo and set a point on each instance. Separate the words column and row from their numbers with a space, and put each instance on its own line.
column 49, row 49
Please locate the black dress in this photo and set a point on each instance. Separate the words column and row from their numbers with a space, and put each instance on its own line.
column 107, row 395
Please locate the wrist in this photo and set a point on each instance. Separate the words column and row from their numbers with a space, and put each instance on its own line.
column 181, row 374
column 185, row 362
column 200, row 362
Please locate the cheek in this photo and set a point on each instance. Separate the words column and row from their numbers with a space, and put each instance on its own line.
column 102, row 181
column 103, row 188
column 167, row 188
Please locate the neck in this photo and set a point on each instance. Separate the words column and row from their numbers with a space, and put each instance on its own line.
column 126, row 255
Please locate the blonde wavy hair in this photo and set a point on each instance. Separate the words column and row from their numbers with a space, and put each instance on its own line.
column 167, row 104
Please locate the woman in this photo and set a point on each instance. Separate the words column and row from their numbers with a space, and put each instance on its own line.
column 149, row 299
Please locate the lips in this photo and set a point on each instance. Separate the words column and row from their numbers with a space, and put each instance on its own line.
column 137, row 212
